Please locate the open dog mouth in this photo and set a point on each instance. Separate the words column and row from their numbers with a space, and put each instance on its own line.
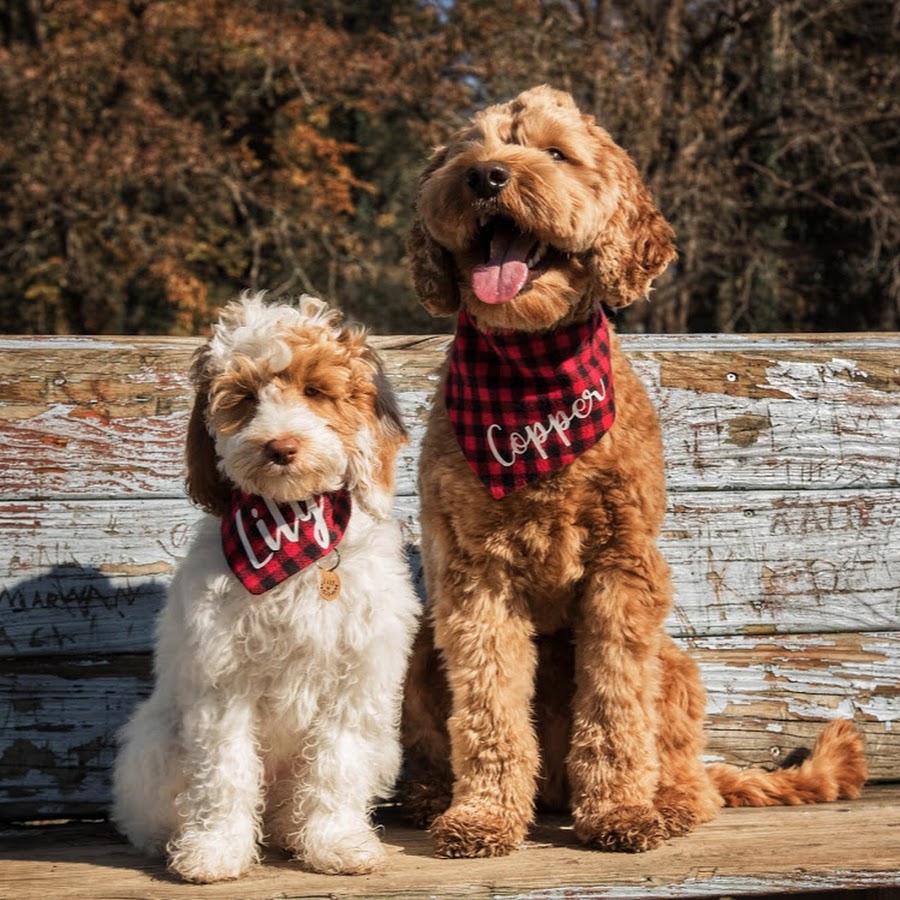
column 513, row 258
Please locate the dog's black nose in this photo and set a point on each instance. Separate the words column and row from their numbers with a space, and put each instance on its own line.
column 282, row 450
column 487, row 179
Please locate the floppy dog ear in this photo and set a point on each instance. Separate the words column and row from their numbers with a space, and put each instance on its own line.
column 205, row 485
column 433, row 272
column 637, row 243
column 373, row 459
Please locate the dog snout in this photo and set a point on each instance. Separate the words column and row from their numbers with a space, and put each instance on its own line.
column 282, row 450
column 488, row 178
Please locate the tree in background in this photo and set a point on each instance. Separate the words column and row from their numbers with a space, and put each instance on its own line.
column 767, row 129
column 157, row 157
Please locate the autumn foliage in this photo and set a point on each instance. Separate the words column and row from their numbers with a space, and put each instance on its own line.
column 157, row 156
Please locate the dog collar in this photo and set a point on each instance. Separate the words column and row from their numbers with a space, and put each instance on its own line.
column 524, row 405
column 266, row 542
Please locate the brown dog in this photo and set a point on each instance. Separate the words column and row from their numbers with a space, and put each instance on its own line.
column 547, row 591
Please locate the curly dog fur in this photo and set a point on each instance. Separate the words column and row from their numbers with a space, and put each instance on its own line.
column 275, row 718
column 544, row 669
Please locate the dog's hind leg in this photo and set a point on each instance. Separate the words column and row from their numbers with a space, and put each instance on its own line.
column 685, row 796
column 427, row 784
column 147, row 776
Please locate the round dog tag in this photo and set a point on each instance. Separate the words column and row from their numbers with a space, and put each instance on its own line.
column 329, row 584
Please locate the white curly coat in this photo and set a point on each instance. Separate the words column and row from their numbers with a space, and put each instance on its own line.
column 274, row 719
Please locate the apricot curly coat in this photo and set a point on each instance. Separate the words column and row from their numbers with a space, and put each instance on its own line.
column 547, row 607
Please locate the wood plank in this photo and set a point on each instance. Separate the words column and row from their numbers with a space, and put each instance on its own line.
column 762, row 562
column 107, row 418
column 806, row 430
column 88, row 577
column 92, row 417
column 58, row 741
column 784, row 561
column 765, row 697
column 85, row 577
column 744, row 851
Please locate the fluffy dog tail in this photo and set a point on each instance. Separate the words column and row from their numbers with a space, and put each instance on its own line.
column 834, row 769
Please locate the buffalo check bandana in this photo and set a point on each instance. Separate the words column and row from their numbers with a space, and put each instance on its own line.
column 266, row 542
column 524, row 405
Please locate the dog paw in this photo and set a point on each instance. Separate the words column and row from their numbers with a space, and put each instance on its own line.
column 422, row 803
column 677, row 820
column 467, row 832
column 205, row 857
column 355, row 853
column 628, row 829
column 682, row 812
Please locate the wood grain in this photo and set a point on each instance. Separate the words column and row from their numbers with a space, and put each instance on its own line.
column 108, row 418
column 743, row 852
column 764, row 699
column 783, row 463
column 87, row 576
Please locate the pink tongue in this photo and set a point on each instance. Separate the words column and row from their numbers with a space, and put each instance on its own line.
column 505, row 273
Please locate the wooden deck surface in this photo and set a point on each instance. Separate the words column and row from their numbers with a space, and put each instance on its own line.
column 743, row 852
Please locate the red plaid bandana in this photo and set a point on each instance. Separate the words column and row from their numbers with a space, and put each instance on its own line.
column 266, row 542
column 524, row 405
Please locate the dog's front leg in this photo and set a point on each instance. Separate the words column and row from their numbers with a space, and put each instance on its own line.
column 613, row 762
column 486, row 638
column 219, row 809
column 325, row 823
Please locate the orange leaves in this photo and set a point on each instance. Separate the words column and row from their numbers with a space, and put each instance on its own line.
column 316, row 166
column 187, row 295
column 162, row 156
column 249, row 144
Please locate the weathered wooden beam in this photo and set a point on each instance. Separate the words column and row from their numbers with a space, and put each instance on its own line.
column 88, row 418
column 783, row 462
column 85, row 577
column 765, row 697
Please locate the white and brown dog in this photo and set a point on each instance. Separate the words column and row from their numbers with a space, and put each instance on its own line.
column 284, row 639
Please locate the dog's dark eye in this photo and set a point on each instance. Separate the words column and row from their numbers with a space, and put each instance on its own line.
column 232, row 398
column 310, row 391
column 557, row 154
